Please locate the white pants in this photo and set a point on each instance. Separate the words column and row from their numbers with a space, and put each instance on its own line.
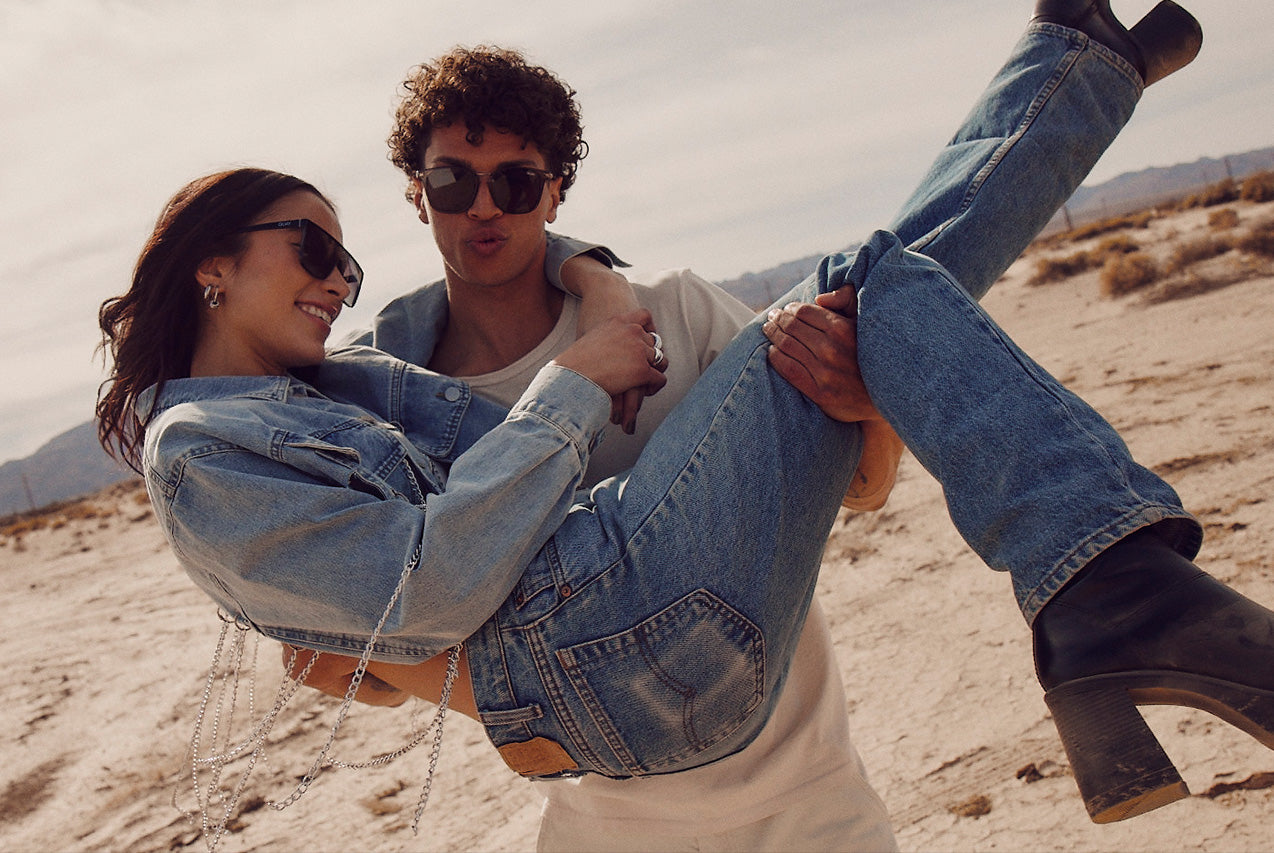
column 842, row 814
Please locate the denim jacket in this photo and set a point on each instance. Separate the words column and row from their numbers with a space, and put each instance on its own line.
column 298, row 512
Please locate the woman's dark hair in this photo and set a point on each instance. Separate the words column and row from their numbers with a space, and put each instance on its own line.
column 150, row 331
column 488, row 87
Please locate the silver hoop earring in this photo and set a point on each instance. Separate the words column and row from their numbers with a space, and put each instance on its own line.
column 212, row 295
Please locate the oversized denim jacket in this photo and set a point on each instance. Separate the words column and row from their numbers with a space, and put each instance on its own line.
column 299, row 511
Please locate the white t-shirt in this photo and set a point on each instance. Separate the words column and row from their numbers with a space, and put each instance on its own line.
column 803, row 755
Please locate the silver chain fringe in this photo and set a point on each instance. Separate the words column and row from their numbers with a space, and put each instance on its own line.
column 223, row 680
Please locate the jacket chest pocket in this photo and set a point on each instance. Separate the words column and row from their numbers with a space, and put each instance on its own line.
column 366, row 456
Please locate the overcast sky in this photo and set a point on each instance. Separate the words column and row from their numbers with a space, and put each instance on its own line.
column 727, row 137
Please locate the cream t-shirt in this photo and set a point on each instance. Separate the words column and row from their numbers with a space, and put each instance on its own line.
column 804, row 751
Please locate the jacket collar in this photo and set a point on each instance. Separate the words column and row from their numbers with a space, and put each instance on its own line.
column 164, row 395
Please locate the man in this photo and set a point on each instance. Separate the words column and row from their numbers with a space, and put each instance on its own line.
column 494, row 321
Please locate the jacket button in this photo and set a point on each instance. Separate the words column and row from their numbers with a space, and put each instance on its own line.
column 451, row 394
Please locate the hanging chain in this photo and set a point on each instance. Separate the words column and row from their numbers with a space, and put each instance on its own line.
column 222, row 751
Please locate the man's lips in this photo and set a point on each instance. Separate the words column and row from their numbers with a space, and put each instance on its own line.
column 486, row 242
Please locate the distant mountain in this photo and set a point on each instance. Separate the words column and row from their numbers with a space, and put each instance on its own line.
column 68, row 466
column 758, row 289
column 73, row 463
column 1138, row 190
column 1120, row 195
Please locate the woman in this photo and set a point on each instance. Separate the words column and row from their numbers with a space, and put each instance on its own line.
column 623, row 634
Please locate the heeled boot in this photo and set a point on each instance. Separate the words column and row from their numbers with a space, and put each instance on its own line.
column 1164, row 41
column 1142, row 625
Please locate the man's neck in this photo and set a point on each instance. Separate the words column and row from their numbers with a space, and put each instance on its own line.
column 489, row 328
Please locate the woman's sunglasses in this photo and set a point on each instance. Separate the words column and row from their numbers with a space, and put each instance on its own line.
column 320, row 253
column 514, row 189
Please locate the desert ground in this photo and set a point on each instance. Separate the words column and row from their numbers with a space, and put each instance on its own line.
column 108, row 642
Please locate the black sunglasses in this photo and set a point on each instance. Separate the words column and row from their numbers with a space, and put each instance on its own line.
column 514, row 189
column 320, row 253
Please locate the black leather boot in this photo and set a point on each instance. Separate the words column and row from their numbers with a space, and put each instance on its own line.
column 1164, row 41
column 1142, row 625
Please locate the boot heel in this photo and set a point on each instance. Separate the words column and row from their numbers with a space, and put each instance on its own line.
column 1169, row 38
column 1120, row 768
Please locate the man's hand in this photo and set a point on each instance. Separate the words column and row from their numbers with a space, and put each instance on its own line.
column 815, row 347
column 332, row 674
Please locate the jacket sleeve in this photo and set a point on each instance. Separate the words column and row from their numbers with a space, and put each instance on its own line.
column 297, row 538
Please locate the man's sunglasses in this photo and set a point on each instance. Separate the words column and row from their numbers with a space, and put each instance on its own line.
column 514, row 189
column 320, row 253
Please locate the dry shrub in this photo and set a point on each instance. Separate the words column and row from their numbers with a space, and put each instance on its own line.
column 1124, row 274
column 1141, row 219
column 1049, row 270
column 1120, row 244
column 1222, row 192
column 1258, row 187
column 1223, row 219
column 1258, row 241
column 1185, row 254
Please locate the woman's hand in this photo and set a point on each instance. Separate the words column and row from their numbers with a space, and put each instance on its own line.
column 816, row 349
column 604, row 294
column 618, row 355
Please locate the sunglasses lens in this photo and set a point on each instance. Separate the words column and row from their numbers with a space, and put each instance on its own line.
column 320, row 254
column 451, row 189
column 517, row 189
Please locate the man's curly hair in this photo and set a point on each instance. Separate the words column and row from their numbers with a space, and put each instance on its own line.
column 488, row 87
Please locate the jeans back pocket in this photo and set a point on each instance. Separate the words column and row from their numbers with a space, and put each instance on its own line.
column 674, row 685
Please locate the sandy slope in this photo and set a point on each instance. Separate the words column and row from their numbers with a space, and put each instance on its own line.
column 107, row 642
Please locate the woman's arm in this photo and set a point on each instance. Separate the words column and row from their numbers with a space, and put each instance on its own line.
column 332, row 674
column 604, row 293
column 300, row 535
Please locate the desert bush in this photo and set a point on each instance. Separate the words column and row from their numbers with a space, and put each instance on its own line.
column 1223, row 219
column 1119, row 244
column 1123, row 274
column 1141, row 219
column 1049, row 270
column 1259, row 240
column 1222, row 192
column 1185, row 254
column 1258, row 187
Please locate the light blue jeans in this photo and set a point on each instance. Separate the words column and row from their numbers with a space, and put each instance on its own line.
column 653, row 632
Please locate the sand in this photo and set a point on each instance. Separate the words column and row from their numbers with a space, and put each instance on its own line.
column 108, row 642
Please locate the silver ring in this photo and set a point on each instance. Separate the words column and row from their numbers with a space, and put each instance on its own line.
column 659, row 348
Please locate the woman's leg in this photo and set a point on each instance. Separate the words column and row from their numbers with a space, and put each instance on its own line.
column 1051, row 111
column 659, row 621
